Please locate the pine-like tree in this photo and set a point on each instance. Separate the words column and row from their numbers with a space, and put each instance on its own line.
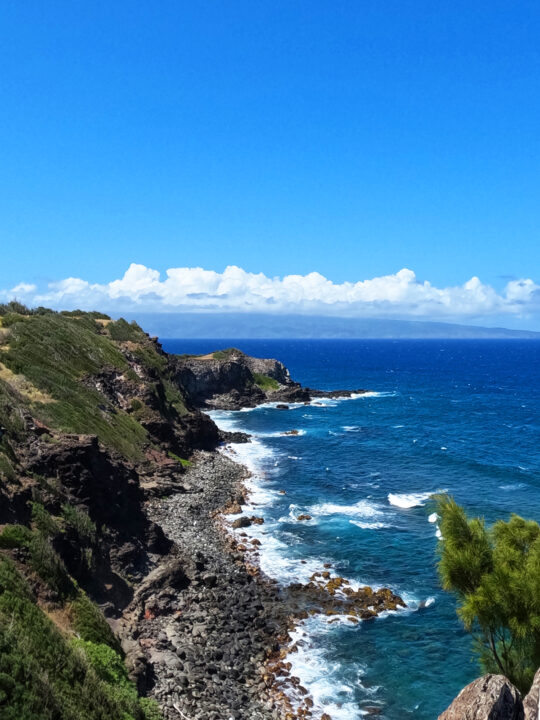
column 495, row 574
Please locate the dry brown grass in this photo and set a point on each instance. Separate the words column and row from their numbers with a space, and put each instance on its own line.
column 23, row 386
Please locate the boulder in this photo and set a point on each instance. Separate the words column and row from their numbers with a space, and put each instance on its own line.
column 531, row 703
column 491, row 697
column 241, row 522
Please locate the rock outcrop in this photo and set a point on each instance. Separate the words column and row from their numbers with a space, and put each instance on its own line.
column 491, row 697
column 531, row 703
column 230, row 380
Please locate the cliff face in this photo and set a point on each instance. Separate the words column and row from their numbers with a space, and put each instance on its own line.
column 109, row 491
column 92, row 424
column 229, row 379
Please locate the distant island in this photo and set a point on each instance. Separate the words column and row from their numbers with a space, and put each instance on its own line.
column 258, row 325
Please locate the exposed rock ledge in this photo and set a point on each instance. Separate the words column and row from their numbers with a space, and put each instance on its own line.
column 231, row 380
column 493, row 697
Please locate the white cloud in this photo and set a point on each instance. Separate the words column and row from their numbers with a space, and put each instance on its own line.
column 400, row 294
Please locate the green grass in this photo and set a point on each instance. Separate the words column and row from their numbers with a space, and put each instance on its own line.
column 265, row 382
column 122, row 331
column 46, row 676
column 225, row 354
column 54, row 353
column 182, row 461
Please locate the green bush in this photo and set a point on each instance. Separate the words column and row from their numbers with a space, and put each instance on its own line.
column 13, row 307
column 225, row 354
column 45, row 677
column 13, row 536
column 44, row 521
column 182, row 461
column 265, row 382
column 121, row 331
column 90, row 624
column 49, row 566
column 80, row 521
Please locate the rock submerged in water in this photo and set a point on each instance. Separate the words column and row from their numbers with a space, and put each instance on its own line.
column 291, row 432
column 304, row 516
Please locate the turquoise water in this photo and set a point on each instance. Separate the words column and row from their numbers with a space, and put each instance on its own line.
column 461, row 416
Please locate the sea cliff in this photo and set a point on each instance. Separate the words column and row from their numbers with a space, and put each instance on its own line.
column 115, row 537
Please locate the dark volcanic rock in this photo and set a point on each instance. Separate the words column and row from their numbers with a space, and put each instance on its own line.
column 491, row 697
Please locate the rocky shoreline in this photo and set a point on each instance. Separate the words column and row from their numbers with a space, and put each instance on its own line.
column 213, row 629
column 208, row 655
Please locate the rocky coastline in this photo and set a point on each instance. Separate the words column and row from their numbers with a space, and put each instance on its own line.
column 219, row 648
column 110, row 467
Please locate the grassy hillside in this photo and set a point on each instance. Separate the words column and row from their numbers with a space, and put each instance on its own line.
column 46, row 674
column 48, row 362
column 83, row 374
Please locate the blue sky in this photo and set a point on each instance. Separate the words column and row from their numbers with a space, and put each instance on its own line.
column 352, row 139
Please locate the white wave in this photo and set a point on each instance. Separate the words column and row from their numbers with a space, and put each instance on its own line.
column 280, row 433
column 293, row 457
column 429, row 601
column 363, row 508
column 512, row 486
column 321, row 677
column 351, row 428
column 397, row 427
column 410, row 500
column 433, row 518
column 369, row 525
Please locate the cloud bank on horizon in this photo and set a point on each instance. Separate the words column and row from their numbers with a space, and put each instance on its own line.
column 195, row 289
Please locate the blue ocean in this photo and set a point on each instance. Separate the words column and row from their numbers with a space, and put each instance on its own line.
column 455, row 416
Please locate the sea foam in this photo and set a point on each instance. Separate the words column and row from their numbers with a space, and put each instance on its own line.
column 410, row 500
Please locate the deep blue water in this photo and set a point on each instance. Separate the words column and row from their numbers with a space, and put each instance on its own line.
column 463, row 416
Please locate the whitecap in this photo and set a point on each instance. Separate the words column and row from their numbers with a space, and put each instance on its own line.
column 433, row 517
column 369, row 525
column 410, row 500
column 363, row 508
column 351, row 428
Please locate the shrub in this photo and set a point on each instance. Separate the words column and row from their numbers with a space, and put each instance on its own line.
column 45, row 677
column 122, row 331
column 182, row 461
column 44, row 521
column 14, row 536
column 225, row 354
column 80, row 521
column 265, row 382
column 49, row 566
column 90, row 624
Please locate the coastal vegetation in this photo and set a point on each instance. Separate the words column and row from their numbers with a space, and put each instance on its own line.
column 495, row 574
column 265, row 382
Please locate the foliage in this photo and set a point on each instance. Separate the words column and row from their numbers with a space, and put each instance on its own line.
column 13, row 307
column 55, row 353
column 44, row 521
column 495, row 574
column 225, row 354
column 14, row 536
column 49, row 566
column 6, row 468
column 45, row 677
column 90, row 624
column 182, row 461
column 265, row 382
column 121, row 331
column 80, row 521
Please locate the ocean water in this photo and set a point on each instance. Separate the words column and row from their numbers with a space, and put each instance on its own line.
column 460, row 416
